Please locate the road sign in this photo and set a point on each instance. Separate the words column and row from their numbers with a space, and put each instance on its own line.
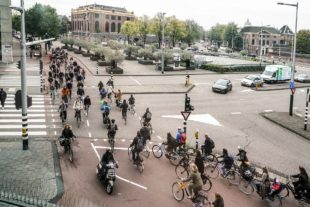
column 292, row 85
column 185, row 114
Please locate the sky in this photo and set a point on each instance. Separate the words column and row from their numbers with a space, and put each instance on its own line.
column 206, row 12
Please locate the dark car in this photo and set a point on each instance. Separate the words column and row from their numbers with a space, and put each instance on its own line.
column 303, row 78
column 222, row 86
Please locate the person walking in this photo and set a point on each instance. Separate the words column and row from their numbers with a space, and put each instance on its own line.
column 2, row 97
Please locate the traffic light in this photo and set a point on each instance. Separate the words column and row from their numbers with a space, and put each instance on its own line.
column 19, row 66
column 188, row 106
column 18, row 100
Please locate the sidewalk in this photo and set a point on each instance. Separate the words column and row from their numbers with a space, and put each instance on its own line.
column 293, row 123
column 30, row 175
column 283, row 86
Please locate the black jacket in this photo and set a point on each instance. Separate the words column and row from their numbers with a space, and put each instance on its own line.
column 302, row 180
column 87, row 101
column 208, row 146
column 67, row 133
column 200, row 164
column 2, row 95
column 108, row 156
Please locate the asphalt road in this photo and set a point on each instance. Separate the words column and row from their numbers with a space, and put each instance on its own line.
column 230, row 119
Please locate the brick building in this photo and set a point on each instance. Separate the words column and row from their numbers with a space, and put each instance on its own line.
column 96, row 18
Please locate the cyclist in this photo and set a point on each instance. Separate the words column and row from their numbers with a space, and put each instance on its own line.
column 131, row 102
column 124, row 108
column 118, row 97
column 69, row 87
column 67, row 134
column 218, row 202
column 78, row 106
column 196, row 182
column 87, row 103
column 80, row 84
column 172, row 144
column 80, row 92
column 199, row 161
column 244, row 160
column 263, row 185
column 100, row 85
column 83, row 73
column 63, row 110
column 147, row 116
column 208, row 146
column 136, row 147
column 111, row 82
column 105, row 109
column 64, row 94
column 227, row 160
column 112, row 129
column 302, row 183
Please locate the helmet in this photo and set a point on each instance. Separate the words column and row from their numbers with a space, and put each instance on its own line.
column 112, row 120
column 206, row 135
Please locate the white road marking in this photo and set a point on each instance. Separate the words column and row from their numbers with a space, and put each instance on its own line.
column 31, row 133
column 159, row 137
column 135, row 81
column 93, row 86
column 123, row 179
column 235, row 113
column 20, row 126
column 118, row 148
column 203, row 118
column 268, row 110
column 89, row 134
column 19, row 115
column 33, row 102
column 29, row 110
column 298, row 114
column 123, row 140
column 55, row 132
column 19, row 120
column 197, row 84
column 246, row 90
column 87, row 123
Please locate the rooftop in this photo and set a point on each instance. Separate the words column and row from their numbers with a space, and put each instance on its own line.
column 103, row 7
column 255, row 29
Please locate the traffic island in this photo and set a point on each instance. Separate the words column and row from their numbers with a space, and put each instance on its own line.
column 283, row 86
column 293, row 123
column 116, row 70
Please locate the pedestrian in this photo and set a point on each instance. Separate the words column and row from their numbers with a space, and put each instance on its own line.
column 2, row 97
column 218, row 202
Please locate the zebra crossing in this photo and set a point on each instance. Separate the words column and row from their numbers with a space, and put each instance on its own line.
column 43, row 118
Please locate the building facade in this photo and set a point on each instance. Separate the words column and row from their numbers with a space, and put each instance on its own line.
column 6, row 41
column 267, row 39
column 99, row 18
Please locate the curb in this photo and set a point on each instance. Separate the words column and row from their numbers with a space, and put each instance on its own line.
column 58, row 174
column 278, row 89
column 296, row 132
column 168, row 92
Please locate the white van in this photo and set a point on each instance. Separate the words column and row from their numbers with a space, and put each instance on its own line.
column 276, row 73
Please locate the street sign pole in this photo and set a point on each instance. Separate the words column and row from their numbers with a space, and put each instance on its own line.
column 292, row 87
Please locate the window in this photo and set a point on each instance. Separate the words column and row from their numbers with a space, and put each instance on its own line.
column 113, row 27
column 97, row 26
column 107, row 16
column 267, row 42
column 119, row 27
column 128, row 18
column 113, row 17
column 119, row 18
column 107, row 27
column 274, row 42
column 263, row 42
column 253, row 42
column 96, row 15
column 253, row 35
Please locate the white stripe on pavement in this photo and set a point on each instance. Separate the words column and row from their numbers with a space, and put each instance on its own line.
column 29, row 120
column 19, row 126
column 33, row 102
column 235, row 113
column 135, row 81
column 159, row 137
column 30, row 133
column 268, row 110
column 19, row 115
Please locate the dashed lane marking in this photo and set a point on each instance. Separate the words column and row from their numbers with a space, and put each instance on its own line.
column 123, row 179
column 159, row 137
column 235, row 113
column 135, row 81
column 268, row 110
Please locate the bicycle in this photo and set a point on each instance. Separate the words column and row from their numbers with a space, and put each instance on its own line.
column 138, row 162
column 146, row 124
column 180, row 188
column 67, row 147
column 78, row 118
column 112, row 143
column 132, row 109
column 215, row 169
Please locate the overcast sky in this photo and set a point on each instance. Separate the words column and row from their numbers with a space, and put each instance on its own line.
column 206, row 12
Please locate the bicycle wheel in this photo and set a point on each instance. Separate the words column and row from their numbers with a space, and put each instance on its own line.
column 284, row 192
column 177, row 192
column 246, row 187
column 275, row 202
column 181, row 172
column 233, row 177
column 140, row 167
column 146, row 153
column 70, row 152
column 174, row 158
column 211, row 158
column 157, row 151
column 207, row 184
column 130, row 153
column 112, row 142
column 212, row 171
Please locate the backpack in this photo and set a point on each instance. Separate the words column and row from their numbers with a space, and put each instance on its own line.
column 183, row 138
column 148, row 115
column 140, row 145
column 113, row 128
column 212, row 145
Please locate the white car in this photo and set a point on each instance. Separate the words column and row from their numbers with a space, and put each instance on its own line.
column 252, row 80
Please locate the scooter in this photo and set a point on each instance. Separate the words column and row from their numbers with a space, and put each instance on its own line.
column 107, row 176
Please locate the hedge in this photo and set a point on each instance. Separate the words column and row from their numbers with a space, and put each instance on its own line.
column 233, row 68
column 146, row 62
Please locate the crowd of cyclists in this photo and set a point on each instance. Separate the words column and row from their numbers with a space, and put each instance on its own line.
column 64, row 72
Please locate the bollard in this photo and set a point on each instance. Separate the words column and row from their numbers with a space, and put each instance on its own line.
column 257, row 86
column 197, row 137
column 97, row 69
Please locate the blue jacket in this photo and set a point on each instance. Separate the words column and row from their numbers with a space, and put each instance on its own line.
column 179, row 135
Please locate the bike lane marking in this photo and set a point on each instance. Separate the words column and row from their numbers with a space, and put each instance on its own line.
column 123, row 179
column 135, row 81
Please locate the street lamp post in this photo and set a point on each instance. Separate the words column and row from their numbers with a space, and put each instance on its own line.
column 21, row 9
column 294, row 56
column 163, row 44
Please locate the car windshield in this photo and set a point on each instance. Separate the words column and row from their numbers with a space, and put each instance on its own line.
column 268, row 72
column 251, row 77
column 221, row 82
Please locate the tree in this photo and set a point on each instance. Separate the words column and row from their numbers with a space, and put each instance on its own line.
column 303, row 41
column 131, row 49
column 65, row 25
column 168, row 56
column 115, row 45
column 193, row 32
column 230, row 33
column 146, row 53
column 16, row 19
column 215, row 34
column 129, row 28
column 187, row 57
column 176, row 29
column 113, row 56
column 42, row 20
column 143, row 24
column 156, row 27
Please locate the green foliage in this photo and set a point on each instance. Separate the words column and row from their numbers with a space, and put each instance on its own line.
column 193, row 31
column 176, row 29
column 146, row 53
column 216, row 34
column 156, row 27
column 113, row 55
column 229, row 33
column 168, row 55
column 187, row 55
column 228, row 50
column 303, row 41
column 184, row 46
column 64, row 25
column 233, row 68
column 115, row 45
column 243, row 52
column 16, row 19
column 129, row 28
column 42, row 21
column 143, row 24
column 131, row 49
